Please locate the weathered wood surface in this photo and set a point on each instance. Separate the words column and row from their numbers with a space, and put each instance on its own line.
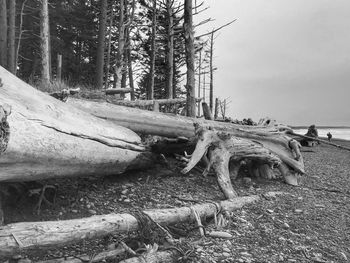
column 28, row 235
column 169, row 125
column 49, row 138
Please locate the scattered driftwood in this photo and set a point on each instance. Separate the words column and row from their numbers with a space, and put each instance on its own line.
column 42, row 137
column 64, row 94
column 29, row 235
column 319, row 140
column 223, row 148
column 145, row 103
column 117, row 91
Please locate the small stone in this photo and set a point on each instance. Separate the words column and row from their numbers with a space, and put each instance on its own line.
column 124, row 192
column 343, row 255
column 111, row 246
column 93, row 212
column 291, row 260
column 226, row 249
column 247, row 180
column 298, row 211
column 74, row 211
column 246, row 254
column 60, row 213
column 226, row 254
column 269, row 211
column 286, row 226
column 228, row 243
column 81, row 199
column 127, row 200
column 17, row 257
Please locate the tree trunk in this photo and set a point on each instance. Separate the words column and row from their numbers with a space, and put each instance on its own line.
column 121, row 46
column 150, row 91
column 199, row 80
column 170, row 50
column 189, row 45
column 11, row 36
column 19, row 35
column 44, row 35
column 108, row 66
column 211, row 88
column 206, row 112
column 3, row 33
column 130, row 72
column 29, row 235
column 47, row 138
column 101, row 45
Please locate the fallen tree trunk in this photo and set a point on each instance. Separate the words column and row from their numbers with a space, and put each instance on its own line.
column 29, row 235
column 270, row 135
column 42, row 137
column 154, row 123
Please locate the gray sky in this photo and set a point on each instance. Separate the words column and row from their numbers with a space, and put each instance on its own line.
column 289, row 60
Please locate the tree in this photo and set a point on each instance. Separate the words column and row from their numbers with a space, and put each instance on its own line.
column 121, row 44
column 150, row 90
column 44, row 35
column 170, row 49
column 3, row 33
column 101, row 44
column 189, row 46
column 11, row 36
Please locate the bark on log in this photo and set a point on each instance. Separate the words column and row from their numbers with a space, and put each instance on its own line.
column 43, row 137
column 29, row 235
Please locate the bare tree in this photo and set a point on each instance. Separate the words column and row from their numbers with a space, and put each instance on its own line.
column 189, row 45
column 45, row 46
column 101, row 44
column 3, row 33
column 121, row 44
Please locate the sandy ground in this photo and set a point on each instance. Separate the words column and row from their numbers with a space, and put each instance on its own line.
column 310, row 223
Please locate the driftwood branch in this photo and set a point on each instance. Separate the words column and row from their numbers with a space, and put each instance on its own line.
column 29, row 235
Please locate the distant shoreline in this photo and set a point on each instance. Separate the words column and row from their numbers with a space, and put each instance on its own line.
column 321, row 127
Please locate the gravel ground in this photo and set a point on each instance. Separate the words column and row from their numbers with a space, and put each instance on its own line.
column 309, row 223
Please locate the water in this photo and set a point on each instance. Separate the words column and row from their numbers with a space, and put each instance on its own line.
column 337, row 133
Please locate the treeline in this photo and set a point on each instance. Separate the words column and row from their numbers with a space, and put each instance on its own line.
column 145, row 45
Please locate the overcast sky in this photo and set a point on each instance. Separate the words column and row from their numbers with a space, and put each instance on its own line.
column 287, row 59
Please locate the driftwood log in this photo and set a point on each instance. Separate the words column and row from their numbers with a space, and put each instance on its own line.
column 270, row 135
column 168, row 125
column 42, row 137
column 224, row 149
column 30, row 235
